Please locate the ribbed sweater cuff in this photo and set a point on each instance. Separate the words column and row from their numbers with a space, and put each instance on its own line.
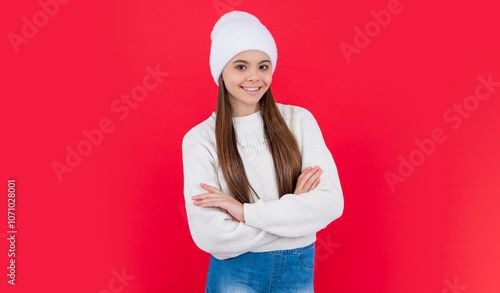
column 250, row 214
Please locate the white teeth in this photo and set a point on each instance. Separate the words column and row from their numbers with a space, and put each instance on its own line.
column 251, row 88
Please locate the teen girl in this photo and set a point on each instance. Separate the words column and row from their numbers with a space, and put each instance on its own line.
column 259, row 181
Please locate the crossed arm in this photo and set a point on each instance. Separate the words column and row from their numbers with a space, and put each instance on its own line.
column 217, row 220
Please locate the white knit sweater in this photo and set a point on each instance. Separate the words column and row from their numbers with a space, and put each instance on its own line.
column 270, row 223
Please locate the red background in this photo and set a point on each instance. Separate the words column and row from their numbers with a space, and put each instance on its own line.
column 122, row 205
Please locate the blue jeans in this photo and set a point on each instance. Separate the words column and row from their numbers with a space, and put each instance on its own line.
column 289, row 271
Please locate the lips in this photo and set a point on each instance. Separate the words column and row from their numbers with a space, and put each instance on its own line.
column 251, row 90
column 251, row 87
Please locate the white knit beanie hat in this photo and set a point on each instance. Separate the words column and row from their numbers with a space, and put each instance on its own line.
column 235, row 32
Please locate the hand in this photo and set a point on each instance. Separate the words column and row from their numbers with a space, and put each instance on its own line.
column 217, row 198
column 308, row 180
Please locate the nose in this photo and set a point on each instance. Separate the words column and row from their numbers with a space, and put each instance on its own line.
column 253, row 74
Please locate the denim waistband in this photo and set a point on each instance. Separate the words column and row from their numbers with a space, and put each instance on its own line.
column 288, row 251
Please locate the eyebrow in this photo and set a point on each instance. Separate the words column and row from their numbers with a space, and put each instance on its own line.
column 246, row 62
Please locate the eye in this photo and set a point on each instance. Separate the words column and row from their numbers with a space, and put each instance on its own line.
column 266, row 67
column 238, row 67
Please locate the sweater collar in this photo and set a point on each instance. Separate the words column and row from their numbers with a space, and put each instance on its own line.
column 249, row 129
column 253, row 120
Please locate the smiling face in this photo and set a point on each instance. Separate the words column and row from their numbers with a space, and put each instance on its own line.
column 247, row 78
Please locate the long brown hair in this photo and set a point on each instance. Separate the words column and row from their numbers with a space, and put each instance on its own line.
column 281, row 142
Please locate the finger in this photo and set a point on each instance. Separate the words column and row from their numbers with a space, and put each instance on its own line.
column 209, row 202
column 210, row 188
column 312, row 178
column 204, row 196
column 315, row 184
column 199, row 196
column 207, row 195
column 307, row 175
column 302, row 177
